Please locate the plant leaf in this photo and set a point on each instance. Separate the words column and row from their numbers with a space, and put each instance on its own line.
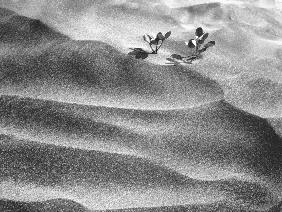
column 155, row 42
column 203, row 49
column 191, row 58
column 160, row 36
column 177, row 56
column 191, row 43
column 147, row 38
column 167, row 34
column 203, row 38
column 209, row 44
column 199, row 31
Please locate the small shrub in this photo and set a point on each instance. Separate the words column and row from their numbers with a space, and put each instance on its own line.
column 198, row 44
column 156, row 44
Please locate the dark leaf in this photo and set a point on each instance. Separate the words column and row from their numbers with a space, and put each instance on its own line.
column 167, row 34
column 203, row 38
column 177, row 56
column 203, row 49
column 147, row 38
column 155, row 42
column 209, row 44
column 191, row 43
column 201, row 41
column 191, row 58
column 160, row 36
column 199, row 32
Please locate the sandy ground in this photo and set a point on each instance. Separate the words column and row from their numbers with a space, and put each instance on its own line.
column 84, row 126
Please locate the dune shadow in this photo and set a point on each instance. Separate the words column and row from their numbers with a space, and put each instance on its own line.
column 42, row 206
column 139, row 53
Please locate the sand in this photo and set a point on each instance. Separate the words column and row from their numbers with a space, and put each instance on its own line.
column 86, row 127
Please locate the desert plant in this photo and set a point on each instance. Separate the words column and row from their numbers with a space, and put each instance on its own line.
column 156, row 44
column 197, row 44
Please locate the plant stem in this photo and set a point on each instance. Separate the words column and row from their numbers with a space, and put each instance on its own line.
column 159, row 47
column 197, row 47
column 153, row 51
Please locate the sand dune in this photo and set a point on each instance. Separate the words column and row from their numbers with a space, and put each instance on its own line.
column 277, row 125
column 19, row 29
column 260, row 96
column 62, row 204
column 50, row 205
column 167, row 137
column 98, row 179
column 80, row 69
column 85, row 127
column 73, row 71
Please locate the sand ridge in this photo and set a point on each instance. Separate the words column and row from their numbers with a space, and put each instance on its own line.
column 88, row 123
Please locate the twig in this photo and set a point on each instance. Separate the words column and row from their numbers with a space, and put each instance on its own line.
column 159, row 47
column 153, row 51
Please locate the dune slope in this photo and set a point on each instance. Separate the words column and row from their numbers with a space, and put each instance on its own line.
column 227, row 134
column 98, row 179
column 92, row 72
column 84, row 126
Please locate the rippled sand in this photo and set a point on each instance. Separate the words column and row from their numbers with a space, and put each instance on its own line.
column 86, row 127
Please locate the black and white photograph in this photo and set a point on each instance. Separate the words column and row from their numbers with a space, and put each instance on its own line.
column 141, row 105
